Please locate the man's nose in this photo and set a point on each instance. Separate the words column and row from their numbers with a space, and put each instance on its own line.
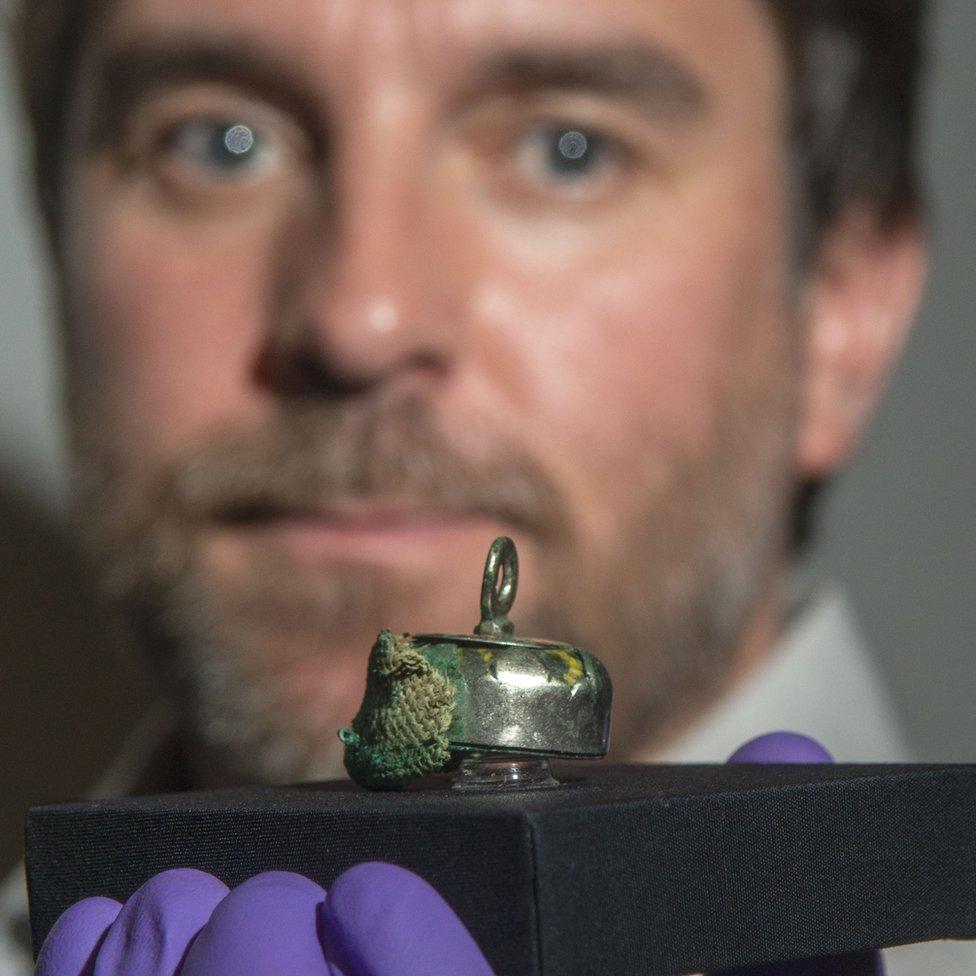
column 364, row 299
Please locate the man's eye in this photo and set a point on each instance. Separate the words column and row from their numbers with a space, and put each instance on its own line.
column 565, row 154
column 220, row 147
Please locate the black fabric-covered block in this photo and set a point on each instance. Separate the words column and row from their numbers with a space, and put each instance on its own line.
column 624, row 870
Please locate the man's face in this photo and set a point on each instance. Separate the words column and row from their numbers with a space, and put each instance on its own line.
column 355, row 286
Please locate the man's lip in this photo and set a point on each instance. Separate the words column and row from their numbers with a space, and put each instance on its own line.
column 351, row 515
column 359, row 529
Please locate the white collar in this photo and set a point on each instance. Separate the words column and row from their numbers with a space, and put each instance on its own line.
column 820, row 680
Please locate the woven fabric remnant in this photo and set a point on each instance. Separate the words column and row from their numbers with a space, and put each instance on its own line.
column 400, row 731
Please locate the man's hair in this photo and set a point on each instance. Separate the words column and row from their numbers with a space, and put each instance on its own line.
column 854, row 69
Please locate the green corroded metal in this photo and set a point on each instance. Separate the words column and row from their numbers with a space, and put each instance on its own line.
column 433, row 699
column 401, row 730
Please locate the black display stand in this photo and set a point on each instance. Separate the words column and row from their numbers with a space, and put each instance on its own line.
column 623, row 870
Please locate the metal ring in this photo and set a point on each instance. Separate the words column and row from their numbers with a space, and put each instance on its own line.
column 498, row 589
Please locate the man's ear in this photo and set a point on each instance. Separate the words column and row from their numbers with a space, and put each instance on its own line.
column 861, row 299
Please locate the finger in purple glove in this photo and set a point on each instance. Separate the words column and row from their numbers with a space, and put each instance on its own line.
column 267, row 926
column 781, row 747
column 383, row 920
column 157, row 923
column 71, row 945
column 792, row 747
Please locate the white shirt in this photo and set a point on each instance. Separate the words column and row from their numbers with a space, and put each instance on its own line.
column 820, row 681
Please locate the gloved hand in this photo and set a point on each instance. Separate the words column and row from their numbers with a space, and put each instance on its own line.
column 377, row 920
column 790, row 747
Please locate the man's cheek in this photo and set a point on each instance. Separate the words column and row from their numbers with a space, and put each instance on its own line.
column 173, row 335
column 634, row 355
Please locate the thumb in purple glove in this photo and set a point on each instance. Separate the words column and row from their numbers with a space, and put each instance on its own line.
column 382, row 920
column 791, row 747
column 781, row 747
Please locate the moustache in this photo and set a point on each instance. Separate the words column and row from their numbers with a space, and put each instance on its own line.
column 312, row 455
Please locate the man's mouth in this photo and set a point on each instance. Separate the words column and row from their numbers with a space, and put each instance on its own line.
column 359, row 528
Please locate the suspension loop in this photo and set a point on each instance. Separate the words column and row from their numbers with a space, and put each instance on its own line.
column 498, row 589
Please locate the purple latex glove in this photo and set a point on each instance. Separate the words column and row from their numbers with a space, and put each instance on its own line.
column 791, row 747
column 76, row 936
column 781, row 747
column 267, row 926
column 378, row 920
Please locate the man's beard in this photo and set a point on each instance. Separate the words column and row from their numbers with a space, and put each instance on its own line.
column 664, row 603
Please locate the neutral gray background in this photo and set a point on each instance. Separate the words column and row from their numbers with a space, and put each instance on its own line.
column 898, row 527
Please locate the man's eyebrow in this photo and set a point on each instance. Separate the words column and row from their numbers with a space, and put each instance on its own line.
column 655, row 78
column 658, row 81
column 132, row 71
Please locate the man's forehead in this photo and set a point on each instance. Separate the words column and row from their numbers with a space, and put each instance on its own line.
column 437, row 36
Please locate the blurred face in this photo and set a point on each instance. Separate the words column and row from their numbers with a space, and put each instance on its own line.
column 357, row 285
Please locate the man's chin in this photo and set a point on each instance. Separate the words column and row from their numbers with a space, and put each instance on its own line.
column 271, row 673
